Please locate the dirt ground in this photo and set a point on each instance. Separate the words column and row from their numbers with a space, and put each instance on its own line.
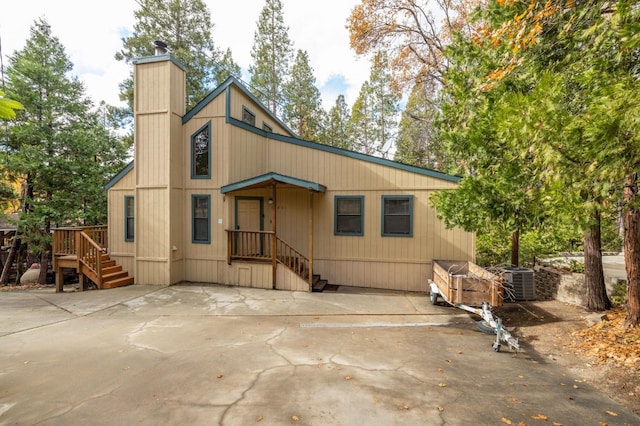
column 602, row 354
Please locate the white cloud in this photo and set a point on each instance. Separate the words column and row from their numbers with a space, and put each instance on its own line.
column 91, row 33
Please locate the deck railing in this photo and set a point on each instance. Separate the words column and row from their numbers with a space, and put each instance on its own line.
column 265, row 246
column 90, row 254
column 66, row 241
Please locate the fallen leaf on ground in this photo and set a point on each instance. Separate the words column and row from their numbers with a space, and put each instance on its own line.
column 347, row 378
column 611, row 413
column 440, row 409
column 404, row 407
column 219, row 376
column 506, row 421
column 295, row 418
column 259, row 419
column 442, row 385
column 539, row 417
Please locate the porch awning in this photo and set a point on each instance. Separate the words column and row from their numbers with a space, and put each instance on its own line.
column 269, row 179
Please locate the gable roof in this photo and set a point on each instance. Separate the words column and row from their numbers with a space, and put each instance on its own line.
column 225, row 88
column 119, row 176
column 267, row 178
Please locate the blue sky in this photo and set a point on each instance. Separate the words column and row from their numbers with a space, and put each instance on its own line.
column 91, row 32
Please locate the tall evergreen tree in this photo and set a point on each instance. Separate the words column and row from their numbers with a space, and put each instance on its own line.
column 186, row 27
column 271, row 53
column 374, row 114
column 227, row 67
column 418, row 143
column 57, row 146
column 336, row 130
column 362, row 122
column 302, row 108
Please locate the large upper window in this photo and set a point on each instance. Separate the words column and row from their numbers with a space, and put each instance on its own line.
column 349, row 215
column 201, row 153
column 397, row 215
column 248, row 117
column 201, row 218
column 129, row 214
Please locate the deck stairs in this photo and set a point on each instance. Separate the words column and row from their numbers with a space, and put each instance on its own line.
column 299, row 264
column 112, row 274
column 85, row 250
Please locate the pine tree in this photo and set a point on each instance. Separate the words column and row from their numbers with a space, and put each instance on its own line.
column 57, row 146
column 271, row 54
column 418, row 143
column 336, row 127
column 186, row 27
column 302, row 109
column 227, row 67
column 362, row 123
column 374, row 114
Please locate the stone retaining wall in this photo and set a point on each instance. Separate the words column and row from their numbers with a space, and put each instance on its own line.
column 552, row 283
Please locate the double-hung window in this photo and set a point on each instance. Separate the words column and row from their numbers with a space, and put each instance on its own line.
column 349, row 215
column 201, row 153
column 397, row 215
column 129, row 215
column 201, row 219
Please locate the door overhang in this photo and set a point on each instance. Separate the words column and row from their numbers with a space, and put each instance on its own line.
column 270, row 179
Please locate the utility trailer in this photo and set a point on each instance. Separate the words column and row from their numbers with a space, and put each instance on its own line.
column 467, row 286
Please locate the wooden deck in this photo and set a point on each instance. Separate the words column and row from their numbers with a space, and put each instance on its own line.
column 85, row 249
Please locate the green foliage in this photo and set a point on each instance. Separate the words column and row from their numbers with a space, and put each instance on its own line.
column 8, row 107
column 302, row 110
column 186, row 27
column 227, row 67
column 271, row 53
column 57, row 145
column 374, row 113
column 619, row 293
column 336, row 131
column 418, row 142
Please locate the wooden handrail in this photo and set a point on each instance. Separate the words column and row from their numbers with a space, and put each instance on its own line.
column 292, row 258
column 256, row 245
column 90, row 254
column 66, row 240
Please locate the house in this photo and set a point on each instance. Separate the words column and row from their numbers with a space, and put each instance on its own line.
column 226, row 193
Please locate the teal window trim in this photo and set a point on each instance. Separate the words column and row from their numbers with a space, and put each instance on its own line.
column 129, row 231
column 248, row 116
column 193, row 152
column 384, row 214
column 266, row 127
column 336, row 201
column 194, row 199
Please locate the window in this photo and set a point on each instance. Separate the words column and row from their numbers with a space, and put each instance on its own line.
column 349, row 215
column 129, row 214
column 201, row 223
column 397, row 215
column 248, row 117
column 201, row 153
column 266, row 127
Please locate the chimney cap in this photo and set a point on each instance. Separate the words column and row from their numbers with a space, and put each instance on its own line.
column 161, row 47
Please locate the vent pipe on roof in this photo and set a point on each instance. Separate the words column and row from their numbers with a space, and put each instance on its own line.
column 161, row 47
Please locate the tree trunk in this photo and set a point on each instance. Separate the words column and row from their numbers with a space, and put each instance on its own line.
column 44, row 257
column 597, row 299
column 515, row 249
column 13, row 252
column 632, row 251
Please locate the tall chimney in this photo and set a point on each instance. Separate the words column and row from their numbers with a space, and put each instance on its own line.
column 161, row 47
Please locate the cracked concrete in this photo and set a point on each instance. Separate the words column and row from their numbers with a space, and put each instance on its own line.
column 204, row 355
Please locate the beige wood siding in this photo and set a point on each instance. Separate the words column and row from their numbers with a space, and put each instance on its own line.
column 239, row 99
column 287, row 280
column 121, row 251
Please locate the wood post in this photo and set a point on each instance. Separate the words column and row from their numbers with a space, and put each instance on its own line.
column 274, row 222
column 310, row 240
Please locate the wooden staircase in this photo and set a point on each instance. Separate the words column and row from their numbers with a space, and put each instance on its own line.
column 112, row 274
column 85, row 250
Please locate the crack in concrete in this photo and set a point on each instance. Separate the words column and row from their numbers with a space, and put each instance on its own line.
column 249, row 388
column 140, row 329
